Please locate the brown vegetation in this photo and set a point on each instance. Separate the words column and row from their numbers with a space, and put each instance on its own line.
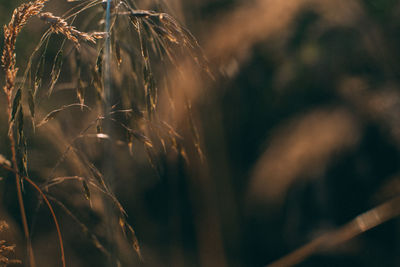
column 278, row 128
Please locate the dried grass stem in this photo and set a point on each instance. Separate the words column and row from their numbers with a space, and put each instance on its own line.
column 8, row 61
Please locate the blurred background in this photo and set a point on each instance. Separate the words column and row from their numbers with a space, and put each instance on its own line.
column 298, row 126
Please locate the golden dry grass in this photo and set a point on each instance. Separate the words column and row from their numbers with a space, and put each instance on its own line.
column 160, row 78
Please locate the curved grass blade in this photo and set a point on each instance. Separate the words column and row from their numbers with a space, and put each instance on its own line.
column 130, row 236
column 86, row 189
column 39, row 73
column 84, row 228
column 55, row 72
column 31, row 103
column 37, row 188
column 55, row 112
column 16, row 103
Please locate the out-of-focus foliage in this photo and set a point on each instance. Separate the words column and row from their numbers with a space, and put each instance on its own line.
column 298, row 123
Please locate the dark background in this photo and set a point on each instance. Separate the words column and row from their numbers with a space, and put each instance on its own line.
column 299, row 128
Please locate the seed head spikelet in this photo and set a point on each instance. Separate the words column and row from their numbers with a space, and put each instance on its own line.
column 18, row 20
column 59, row 25
column 8, row 60
column 5, row 249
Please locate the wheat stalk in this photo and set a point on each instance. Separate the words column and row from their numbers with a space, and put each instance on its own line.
column 8, row 59
column 159, row 28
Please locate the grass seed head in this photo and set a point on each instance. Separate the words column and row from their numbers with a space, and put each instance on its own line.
column 59, row 25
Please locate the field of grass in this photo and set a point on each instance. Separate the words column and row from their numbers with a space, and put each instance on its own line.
column 200, row 133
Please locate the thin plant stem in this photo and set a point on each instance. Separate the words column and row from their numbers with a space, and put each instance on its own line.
column 360, row 224
column 18, row 183
column 8, row 59
column 34, row 185
column 107, row 59
column 53, row 215
column 108, row 153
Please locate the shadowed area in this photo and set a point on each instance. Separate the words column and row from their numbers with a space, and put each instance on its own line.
column 238, row 133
